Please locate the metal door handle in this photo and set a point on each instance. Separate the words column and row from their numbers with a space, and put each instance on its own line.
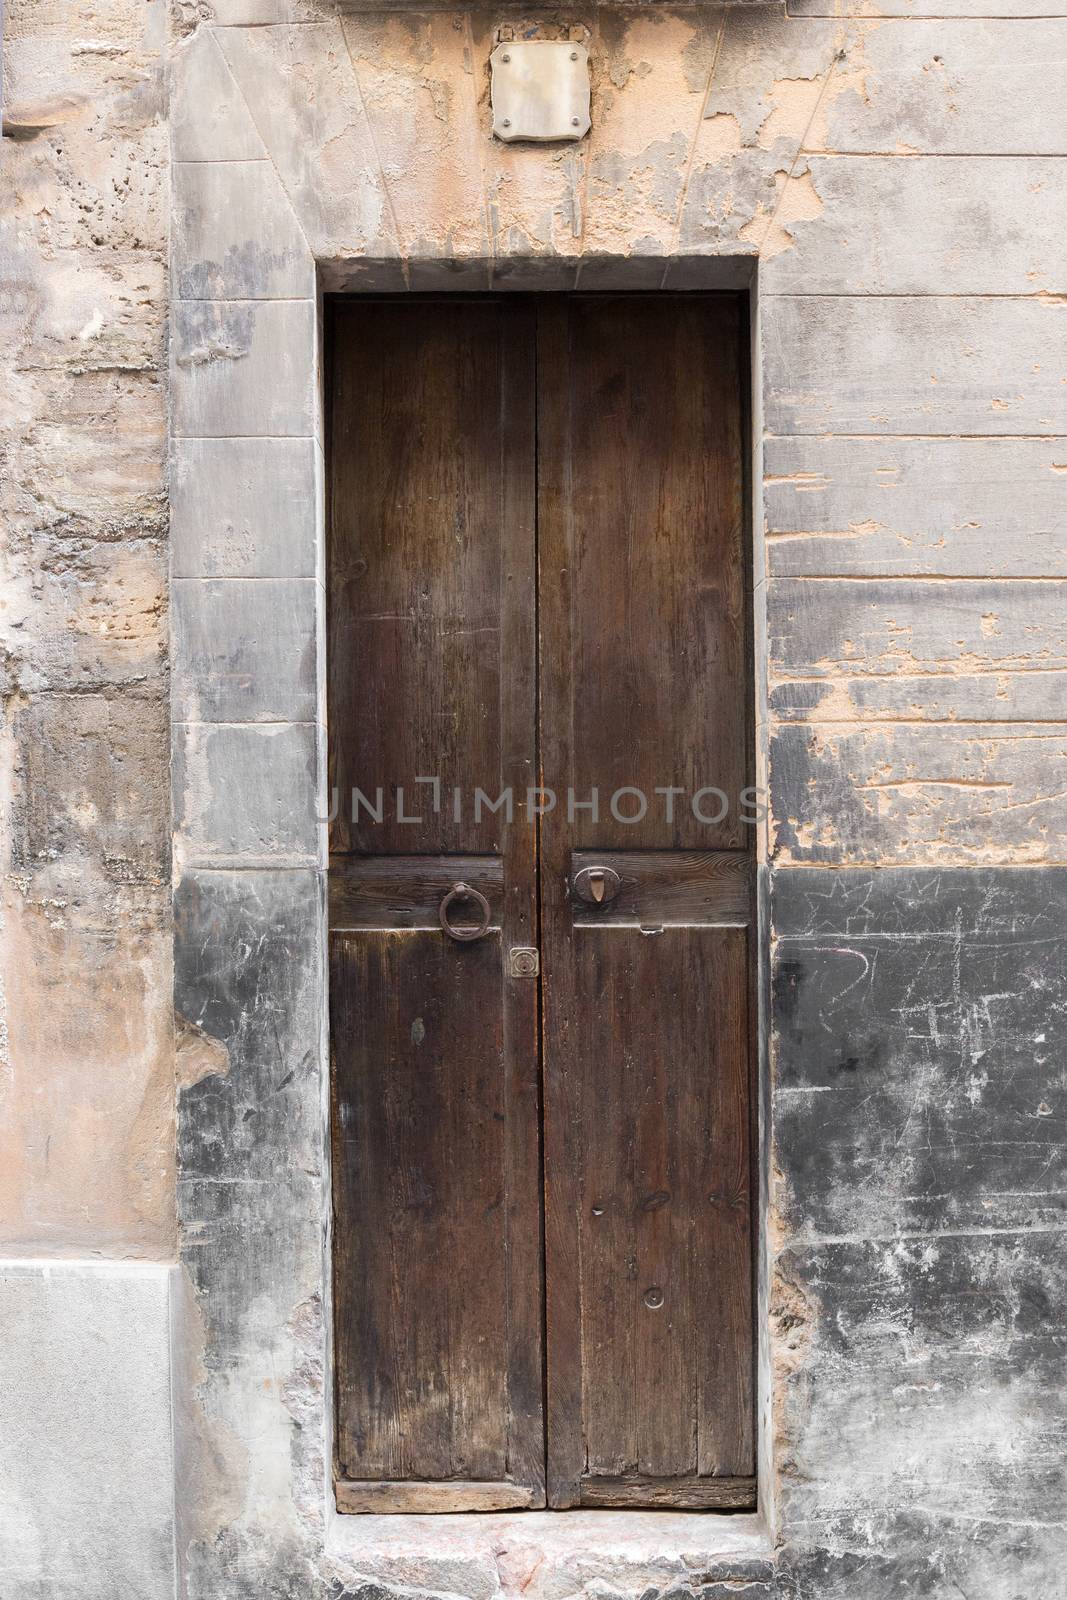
column 463, row 891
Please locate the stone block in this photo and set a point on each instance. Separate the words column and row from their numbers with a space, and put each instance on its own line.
column 536, row 274
column 243, row 368
column 900, row 793
column 913, row 365
column 711, row 271
column 245, row 649
column 937, row 9
column 953, row 507
column 931, row 1380
column 94, row 773
column 749, row 106
column 235, row 235
column 646, row 66
column 927, row 226
column 262, row 13
column 470, row 275
column 919, row 1022
column 245, row 508
column 209, row 120
column 933, row 86
column 253, row 1198
column 88, row 1066
column 247, row 792
column 88, row 615
column 81, row 474
column 919, row 1286
column 92, row 311
column 907, row 88
column 314, row 124
column 866, row 649
column 882, row 1557
column 257, row 1114
column 366, row 275
column 86, row 1468
column 430, row 129
column 609, row 273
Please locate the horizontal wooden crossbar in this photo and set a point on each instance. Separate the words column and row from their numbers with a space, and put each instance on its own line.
column 449, row 1495
column 692, row 1494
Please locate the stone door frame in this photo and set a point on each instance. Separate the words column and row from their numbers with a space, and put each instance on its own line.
column 254, row 1391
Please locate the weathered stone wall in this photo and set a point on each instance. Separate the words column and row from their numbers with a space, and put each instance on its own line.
column 896, row 179
column 87, row 1075
column 87, row 1087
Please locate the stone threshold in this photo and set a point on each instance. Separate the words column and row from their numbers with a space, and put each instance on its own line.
column 543, row 1554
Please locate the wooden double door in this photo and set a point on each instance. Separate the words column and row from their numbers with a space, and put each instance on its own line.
column 541, row 919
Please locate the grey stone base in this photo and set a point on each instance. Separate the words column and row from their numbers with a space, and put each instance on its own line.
column 86, row 1452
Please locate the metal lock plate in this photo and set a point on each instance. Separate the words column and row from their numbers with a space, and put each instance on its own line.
column 597, row 886
column 523, row 962
column 540, row 90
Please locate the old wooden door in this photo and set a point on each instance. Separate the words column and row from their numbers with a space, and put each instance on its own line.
column 539, row 717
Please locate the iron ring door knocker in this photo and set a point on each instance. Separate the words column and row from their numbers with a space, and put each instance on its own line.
column 463, row 891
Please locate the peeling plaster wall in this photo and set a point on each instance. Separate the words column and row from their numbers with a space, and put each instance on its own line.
column 896, row 169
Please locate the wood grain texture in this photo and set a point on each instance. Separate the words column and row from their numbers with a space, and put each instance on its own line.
column 406, row 891
column 661, row 888
column 648, row 1190
column 456, row 1495
column 422, row 1266
column 642, row 570
column 705, row 1494
column 657, row 1082
column 435, row 1061
column 647, row 1134
column 428, row 397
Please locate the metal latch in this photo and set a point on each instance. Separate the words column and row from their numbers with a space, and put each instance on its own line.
column 597, row 885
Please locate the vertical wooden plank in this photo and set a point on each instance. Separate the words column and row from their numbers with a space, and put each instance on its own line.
column 520, row 929
column 424, row 407
column 563, row 1196
column 668, row 1281
column 644, row 686
column 609, row 1102
column 646, row 515
column 727, row 1399
column 420, row 1098
column 664, row 1226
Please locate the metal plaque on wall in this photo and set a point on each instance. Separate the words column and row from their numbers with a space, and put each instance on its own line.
column 540, row 90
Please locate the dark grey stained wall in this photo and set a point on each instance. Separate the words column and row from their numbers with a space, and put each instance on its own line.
column 920, row 1021
column 920, row 1306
